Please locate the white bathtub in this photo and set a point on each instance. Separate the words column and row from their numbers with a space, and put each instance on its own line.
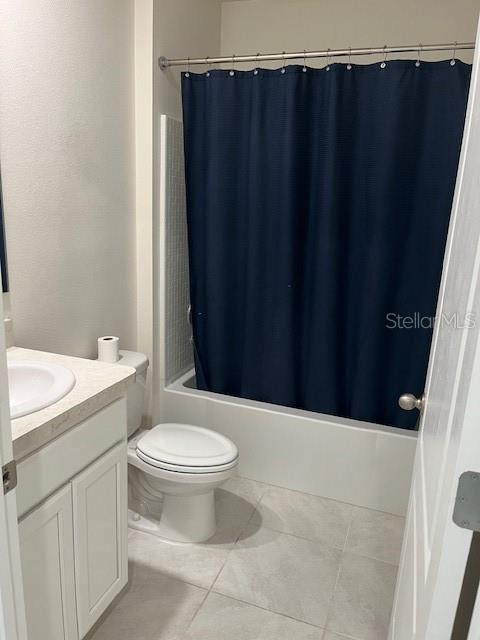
column 357, row 462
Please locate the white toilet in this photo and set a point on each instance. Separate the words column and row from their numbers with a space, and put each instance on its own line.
column 174, row 468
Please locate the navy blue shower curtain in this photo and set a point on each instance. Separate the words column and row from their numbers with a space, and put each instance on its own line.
column 318, row 205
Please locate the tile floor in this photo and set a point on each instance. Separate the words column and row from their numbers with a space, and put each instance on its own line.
column 283, row 565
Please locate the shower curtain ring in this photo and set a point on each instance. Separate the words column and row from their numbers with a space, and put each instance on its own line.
column 282, row 70
column 328, row 60
column 187, row 74
column 349, row 65
column 304, row 61
column 384, row 63
column 453, row 61
column 208, row 70
column 232, row 70
column 255, row 71
column 420, row 46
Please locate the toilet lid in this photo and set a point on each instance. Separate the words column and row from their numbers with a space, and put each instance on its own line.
column 185, row 445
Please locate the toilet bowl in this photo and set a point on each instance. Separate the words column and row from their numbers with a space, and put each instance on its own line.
column 173, row 469
column 184, row 463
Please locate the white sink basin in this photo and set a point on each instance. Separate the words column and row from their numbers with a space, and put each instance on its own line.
column 36, row 385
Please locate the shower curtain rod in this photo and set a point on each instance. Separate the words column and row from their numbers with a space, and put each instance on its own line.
column 164, row 63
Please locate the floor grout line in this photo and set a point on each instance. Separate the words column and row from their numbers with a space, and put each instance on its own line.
column 332, row 597
column 342, row 635
column 277, row 613
column 362, row 555
column 315, row 495
column 331, row 545
column 242, row 529
column 197, row 611
column 324, row 543
column 236, row 540
column 316, row 540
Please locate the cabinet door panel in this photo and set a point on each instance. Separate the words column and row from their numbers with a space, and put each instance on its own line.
column 100, row 533
column 46, row 549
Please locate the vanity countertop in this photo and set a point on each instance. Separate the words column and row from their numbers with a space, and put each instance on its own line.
column 97, row 385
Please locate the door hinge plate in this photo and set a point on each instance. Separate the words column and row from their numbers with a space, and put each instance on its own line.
column 9, row 476
column 466, row 513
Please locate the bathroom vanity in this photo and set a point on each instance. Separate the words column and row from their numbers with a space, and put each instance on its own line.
column 72, row 498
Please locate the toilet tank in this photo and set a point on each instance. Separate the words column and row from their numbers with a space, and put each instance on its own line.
column 136, row 389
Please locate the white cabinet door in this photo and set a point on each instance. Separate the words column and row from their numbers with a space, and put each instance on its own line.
column 46, row 550
column 100, row 533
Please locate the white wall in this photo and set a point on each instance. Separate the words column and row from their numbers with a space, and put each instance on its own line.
column 67, row 161
column 174, row 298
column 290, row 25
column 180, row 28
column 144, row 75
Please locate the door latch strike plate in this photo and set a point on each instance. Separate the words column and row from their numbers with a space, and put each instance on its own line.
column 9, row 476
column 466, row 513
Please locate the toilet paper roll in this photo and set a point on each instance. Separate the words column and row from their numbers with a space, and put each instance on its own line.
column 108, row 347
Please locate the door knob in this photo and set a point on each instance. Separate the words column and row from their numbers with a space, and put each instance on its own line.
column 408, row 402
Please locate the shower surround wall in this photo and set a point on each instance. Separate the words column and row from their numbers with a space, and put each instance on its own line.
column 172, row 347
column 178, row 347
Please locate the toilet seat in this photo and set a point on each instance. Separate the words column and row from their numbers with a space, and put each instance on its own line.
column 185, row 448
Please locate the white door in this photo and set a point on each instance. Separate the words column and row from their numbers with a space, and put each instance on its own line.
column 12, row 614
column 46, row 545
column 435, row 549
column 100, row 532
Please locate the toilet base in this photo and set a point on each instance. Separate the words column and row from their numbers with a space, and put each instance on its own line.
column 184, row 519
